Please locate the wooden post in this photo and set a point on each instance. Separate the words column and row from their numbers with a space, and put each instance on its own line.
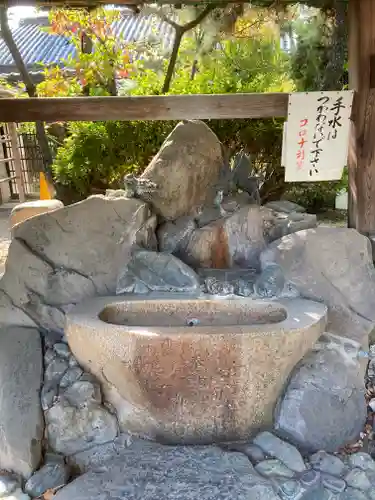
column 362, row 142
column 17, row 160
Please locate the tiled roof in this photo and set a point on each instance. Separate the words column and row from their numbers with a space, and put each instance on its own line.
column 37, row 46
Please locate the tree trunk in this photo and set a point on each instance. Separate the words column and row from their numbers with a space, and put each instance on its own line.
column 179, row 33
column 30, row 88
column 86, row 48
column 172, row 61
column 362, row 144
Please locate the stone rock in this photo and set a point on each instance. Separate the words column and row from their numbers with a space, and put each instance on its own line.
column 319, row 493
column 290, row 291
column 371, row 370
column 28, row 209
column 352, row 494
column 50, row 476
column 158, row 472
column 253, row 452
column 20, row 412
column 236, row 240
column 11, row 315
column 288, row 488
column 324, row 462
column 332, row 483
column 334, row 266
column 71, row 376
column 277, row 225
column 115, row 193
column 361, row 461
column 71, row 429
column 72, row 361
column 309, row 478
column 48, row 396
column 17, row 494
column 185, row 170
column 8, row 485
column 54, row 373
column 49, row 266
column 62, row 350
column 238, row 281
column 273, row 468
column 50, row 338
column 329, row 377
column 212, row 286
column 49, row 356
column 356, row 478
column 25, row 283
column 270, row 283
column 157, row 272
column 285, row 452
column 98, row 456
column 285, row 206
column 209, row 215
column 173, row 236
column 83, row 393
column 60, row 241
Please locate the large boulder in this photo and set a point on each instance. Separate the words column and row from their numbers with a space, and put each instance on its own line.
column 324, row 405
column 20, row 412
column 334, row 266
column 11, row 315
column 156, row 272
column 60, row 258
column 235, row 240
column 152, row 471
column 185, row 170
column 285, row 206
column 72, row 429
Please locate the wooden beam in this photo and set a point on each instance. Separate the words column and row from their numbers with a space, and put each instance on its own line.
column 91, row 3
column 362, row 144
column 171, row 107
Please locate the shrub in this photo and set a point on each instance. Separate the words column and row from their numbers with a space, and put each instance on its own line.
column 316, row 196
column 97, row 155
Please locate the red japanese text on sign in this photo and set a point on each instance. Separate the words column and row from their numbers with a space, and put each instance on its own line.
column 300, row 155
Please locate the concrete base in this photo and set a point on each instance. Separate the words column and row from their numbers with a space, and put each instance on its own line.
column 217, row 380
column 30, row 209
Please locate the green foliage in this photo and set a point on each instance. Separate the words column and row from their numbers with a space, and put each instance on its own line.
column 93, row 70
column 311, row 55
column 97, row 155
column 317, row 196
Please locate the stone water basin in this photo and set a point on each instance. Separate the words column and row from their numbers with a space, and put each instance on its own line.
column 216, row 380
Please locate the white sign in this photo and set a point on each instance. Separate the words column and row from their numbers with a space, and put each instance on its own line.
column 315, row 147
